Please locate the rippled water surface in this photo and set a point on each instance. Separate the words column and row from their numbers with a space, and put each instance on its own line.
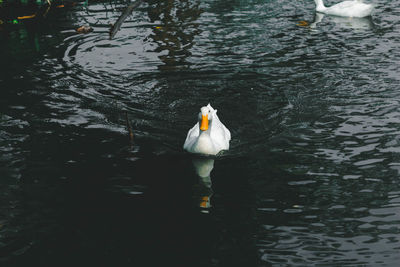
column 313, row 173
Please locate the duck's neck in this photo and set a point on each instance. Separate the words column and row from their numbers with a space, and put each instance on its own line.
column 207, row 133
column 320, row 5
column 205, row 144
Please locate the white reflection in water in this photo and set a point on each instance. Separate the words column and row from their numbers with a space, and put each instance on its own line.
column 345, row 22
column 203, row 168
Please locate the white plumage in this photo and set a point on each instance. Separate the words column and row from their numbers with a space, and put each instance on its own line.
column 210, row 140
column 355, row 8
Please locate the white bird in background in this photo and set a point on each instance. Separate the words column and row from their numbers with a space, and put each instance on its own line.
column 355, row 8
column 208, row 136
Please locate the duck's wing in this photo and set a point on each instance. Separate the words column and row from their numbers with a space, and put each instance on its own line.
column 217, row 122
column 219, row 133
column 227, row 133
column 192, row 135
column 350, row 9
column 345, row 4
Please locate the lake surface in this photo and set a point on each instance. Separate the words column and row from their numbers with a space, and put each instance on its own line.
column 312, row 177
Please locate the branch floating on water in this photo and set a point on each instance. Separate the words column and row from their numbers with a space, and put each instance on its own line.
column 128, row 10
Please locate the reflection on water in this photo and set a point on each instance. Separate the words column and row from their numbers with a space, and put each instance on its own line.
column 345, row 22
column 203, row 168
column 312, row 175
column 175, row 30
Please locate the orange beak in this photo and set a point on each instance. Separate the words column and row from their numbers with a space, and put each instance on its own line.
column 204, row 123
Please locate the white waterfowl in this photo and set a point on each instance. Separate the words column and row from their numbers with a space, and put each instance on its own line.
column 208, row 136
column 354, row 8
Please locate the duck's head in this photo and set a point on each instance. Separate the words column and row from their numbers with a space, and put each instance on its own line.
column 206, row 117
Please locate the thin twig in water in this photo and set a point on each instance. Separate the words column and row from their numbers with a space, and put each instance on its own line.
column 129, row 127
column 128, row 10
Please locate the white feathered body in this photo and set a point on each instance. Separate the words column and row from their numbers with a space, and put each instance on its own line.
column 208, row 142
column 355, row 8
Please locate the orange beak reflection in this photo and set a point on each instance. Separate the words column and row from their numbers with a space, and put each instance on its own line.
column 203, row 203
column 204, row 123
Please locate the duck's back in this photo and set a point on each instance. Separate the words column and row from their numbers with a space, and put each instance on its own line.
column 350, row 9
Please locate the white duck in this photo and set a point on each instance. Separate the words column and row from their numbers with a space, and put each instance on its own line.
column 208, row 135
column 354, row 8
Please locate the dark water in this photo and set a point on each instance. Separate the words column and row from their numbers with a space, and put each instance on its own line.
column 313, row 173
